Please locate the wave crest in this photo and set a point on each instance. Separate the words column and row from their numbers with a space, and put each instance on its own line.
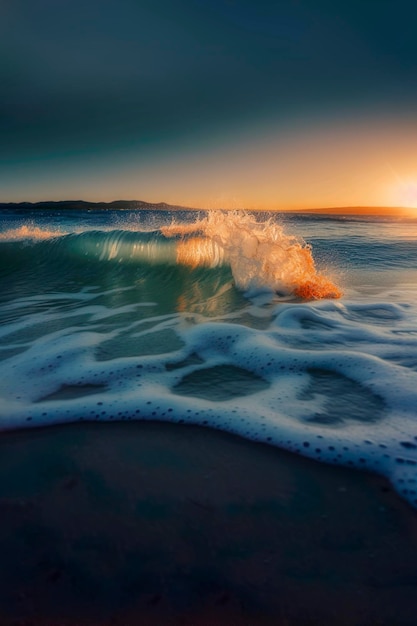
column 28, row 231
column 260, row 253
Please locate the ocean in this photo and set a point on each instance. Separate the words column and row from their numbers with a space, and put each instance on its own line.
column 299, row 331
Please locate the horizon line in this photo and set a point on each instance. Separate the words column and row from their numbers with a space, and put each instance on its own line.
column 349, row 209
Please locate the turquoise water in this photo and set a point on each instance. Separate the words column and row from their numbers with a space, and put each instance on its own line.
column 126, row 315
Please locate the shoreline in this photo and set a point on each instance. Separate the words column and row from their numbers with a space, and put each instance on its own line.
column 153, row 523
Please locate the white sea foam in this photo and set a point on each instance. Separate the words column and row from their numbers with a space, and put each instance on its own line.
column 113, row 326
column 334, row 387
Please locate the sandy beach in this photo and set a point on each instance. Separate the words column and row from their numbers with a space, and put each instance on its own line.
column 126, row 524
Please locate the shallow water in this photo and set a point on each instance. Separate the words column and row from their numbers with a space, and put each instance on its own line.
column 121, row 315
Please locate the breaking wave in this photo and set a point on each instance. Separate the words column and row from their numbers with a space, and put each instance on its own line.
column 163, row 322
column 260, row 254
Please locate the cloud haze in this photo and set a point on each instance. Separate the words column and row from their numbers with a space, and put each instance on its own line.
column 99, row 92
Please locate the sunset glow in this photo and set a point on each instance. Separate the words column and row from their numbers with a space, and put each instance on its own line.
column 352, row 163
column 208, row 220
column 409, row 195
column 268, row 119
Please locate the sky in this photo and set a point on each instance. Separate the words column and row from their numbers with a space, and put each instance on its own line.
column 287, row 104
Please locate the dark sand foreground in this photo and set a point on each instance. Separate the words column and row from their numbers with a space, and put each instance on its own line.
column 151, row 524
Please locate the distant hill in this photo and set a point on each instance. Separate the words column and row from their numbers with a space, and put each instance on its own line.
column 361, row 210
column 81, row 205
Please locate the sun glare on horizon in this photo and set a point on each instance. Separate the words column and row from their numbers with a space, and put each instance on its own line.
column 404, row 190
column 405, row 194
column 409, row 193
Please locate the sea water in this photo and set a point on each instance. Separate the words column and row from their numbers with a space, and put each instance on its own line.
column 295, row 330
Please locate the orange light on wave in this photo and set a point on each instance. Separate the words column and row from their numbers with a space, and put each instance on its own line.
column 29, row 232
column 198, row 251
column 317, row 289
column 308, row 285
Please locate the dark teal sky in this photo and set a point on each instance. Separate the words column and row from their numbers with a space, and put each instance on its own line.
column 91, row 81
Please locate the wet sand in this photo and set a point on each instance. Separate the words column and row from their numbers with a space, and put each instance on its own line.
column 153, row 524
